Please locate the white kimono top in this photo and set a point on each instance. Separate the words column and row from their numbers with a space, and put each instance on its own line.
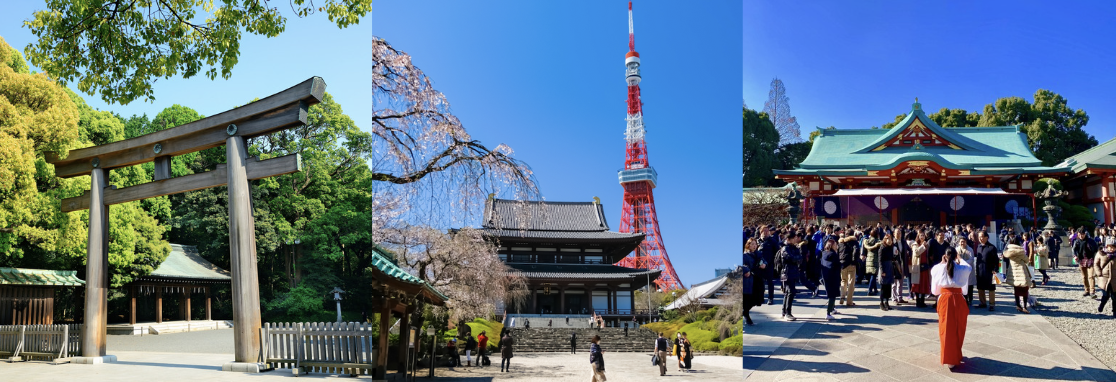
column 939, row 277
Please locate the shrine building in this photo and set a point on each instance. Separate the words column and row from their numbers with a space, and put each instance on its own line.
column 920, row 173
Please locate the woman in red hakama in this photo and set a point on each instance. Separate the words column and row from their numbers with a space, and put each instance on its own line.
column 948, row 280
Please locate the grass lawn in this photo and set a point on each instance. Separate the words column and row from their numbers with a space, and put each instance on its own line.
column 492, row 328
column 702, row 334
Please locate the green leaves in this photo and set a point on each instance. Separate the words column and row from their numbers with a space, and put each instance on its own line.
column 118, row 49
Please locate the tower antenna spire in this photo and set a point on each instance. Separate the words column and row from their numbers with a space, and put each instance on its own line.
column 638, row 179
column 631, row 30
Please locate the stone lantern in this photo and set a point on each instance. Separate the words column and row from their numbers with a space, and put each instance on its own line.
column 794, row 203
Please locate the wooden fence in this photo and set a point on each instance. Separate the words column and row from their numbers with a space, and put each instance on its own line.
column 326, row 347
column 53, row 342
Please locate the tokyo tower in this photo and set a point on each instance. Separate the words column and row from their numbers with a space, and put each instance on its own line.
column 638, row 179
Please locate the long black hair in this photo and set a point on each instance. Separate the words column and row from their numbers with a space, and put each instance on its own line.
column 951, row 259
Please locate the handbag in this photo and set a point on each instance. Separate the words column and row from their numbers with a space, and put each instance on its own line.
column 997, row 278
column 655, row 360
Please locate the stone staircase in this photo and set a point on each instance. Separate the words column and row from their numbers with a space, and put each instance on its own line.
column 558, row 340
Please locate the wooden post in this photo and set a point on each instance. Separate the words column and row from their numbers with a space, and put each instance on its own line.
column 242, row 253
column 404, row 340
column 158, row 304
column 162, row 167
column 132, row 310
column 382, row 346
column 208, row 315
column 188, row 302
column 562, row 300
column 96, row 279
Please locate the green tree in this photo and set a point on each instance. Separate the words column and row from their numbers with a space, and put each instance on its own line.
column 790, row 155
column 118, row 48
column 1054, row 130
column 760, row 143
column 38, row 115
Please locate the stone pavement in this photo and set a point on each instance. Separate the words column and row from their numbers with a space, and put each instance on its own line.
column 865, row 343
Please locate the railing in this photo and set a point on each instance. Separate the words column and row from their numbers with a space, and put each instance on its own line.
column 335, row 348
column 55, row 342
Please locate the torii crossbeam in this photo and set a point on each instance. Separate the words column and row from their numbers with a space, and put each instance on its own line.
column 277, row 112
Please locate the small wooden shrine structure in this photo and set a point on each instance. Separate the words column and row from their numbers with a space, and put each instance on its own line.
column 398, row 295
column 184, row 272
column 27, row 295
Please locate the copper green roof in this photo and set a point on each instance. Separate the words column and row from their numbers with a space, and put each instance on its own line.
column 382, row 262
column 184, row 262
column 39, row 277
column 1101, row 156
column 981, row 150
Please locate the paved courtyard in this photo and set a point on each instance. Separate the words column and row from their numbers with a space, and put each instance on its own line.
column 867, row 344
column 198, row 356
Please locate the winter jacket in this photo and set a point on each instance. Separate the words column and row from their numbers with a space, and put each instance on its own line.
column 831, row 270
column 1019, row 275
column 918, row 256
column 847, row 247
column 1104, row 262
column 1042, row 256
column 788, row 263
column 872, row 261
column 506, row 345
column 750, row 267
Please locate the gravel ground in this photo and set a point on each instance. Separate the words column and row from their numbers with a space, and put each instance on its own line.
column 218, row 341
column 1061, row 303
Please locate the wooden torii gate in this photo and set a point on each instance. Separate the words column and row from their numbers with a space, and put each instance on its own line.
column 277, row 112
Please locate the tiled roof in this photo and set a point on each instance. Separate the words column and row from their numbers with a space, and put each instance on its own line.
column 600, row 272
column 184, row 262
column 381, row 260
column 512, row 233
column 544, row 216
column 1101, row 156
column 982, row 150
column 38, row 277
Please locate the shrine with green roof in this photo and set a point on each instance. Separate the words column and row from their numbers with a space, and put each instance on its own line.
column 27, row 295
column 892, row 173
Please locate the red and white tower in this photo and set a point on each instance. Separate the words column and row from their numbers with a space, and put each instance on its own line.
column 638, row 179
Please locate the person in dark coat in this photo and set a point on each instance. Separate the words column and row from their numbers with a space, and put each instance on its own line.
column 902, row 259
column 1054, row 244
column 788, row 263
column 753, row 279
column 769, row 245
column 886, row 269
column 938, row 248
column 988, row 262
column 573, row 342
column 506, row 352
column 831, row 275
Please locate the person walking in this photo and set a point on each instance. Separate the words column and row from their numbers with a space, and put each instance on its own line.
column 769, row 245
column 948, row 279
column 753, row 283
column 687, row 353
column 987, row 263
column 1104, row 264
column 966, row 254
column 871, row 260
column 1084, row 249
column 831, row 275
column 596, row 359
column 661, row 352
column 482, row 349
column 451, row 350
column 920, row 270
column 847, row 247
column 1054, row 243
column 886, row 268
column 573, row 342
column 1042, row 257
column 902, row 258
column 787, row 264
column 506, row 352
column 470, row 347
column 1018, row 276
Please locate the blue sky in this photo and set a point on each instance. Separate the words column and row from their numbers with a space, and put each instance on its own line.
column 546, row 78
column 859, row 64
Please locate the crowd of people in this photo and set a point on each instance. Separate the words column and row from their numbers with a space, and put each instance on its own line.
column 920, row 265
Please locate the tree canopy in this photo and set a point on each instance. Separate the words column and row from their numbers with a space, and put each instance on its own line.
column 119, row 48
column 760, row 142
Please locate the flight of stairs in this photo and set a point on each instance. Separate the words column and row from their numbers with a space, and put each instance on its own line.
column 558, row 340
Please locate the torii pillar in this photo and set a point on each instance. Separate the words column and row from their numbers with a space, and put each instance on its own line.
column 95, row 328
column 242, row 256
